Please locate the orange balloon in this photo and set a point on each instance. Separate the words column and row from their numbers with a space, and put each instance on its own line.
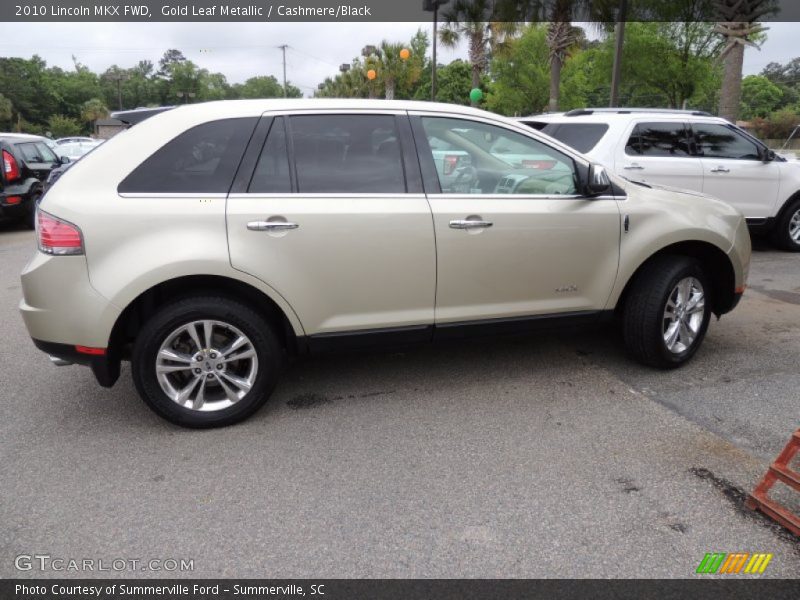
column 371, row 74
column 405, row 53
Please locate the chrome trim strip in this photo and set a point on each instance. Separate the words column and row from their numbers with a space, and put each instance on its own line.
column 199, row 195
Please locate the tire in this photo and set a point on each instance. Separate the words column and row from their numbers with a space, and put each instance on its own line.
column 645, row 323
column 786, row 234
column 30, row 218
column 227, row 391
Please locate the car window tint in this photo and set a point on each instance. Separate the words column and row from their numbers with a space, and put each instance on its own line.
column 658, row 139
column 581, row 136
column 347, row 154
column 485, row 159
column 719, row 141
column 271, row 175
column 36, row 152
column 201, row 160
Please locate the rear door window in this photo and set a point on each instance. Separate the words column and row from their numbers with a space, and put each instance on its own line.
column 347, row 154
column 581, row 136
column 201, row 160
column 659, row 139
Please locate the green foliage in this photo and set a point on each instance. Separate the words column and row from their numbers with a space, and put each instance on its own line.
column 265, row 86
column 61, row 126
column 453, row 83
column 6, row 111
column 778, row 125
column 93, row 109
column 759, row 96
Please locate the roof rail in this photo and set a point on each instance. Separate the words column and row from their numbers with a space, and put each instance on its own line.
column 579, row 112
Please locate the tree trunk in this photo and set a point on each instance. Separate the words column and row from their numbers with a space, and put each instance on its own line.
column 390, row 89
column 731, row 92
column 555, row 83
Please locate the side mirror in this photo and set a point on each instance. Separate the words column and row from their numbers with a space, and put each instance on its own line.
column 599, row 182
column 65, row 160
column 768, row 156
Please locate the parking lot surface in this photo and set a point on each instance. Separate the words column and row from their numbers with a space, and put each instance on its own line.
column 548, row 456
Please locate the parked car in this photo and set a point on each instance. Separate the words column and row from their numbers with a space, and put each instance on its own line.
column 210, row 241
column 27, row 161
column 692, row 150
column 76, row 139
column 76, row 150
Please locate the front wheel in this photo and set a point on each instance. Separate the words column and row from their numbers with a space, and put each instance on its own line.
column 787, row 229
column 206, row 362
column 667, row 312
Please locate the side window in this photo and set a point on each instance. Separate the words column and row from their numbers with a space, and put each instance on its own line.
column 658, row 139
column 477, row 158
column 271, row 175
column 581, row 136
column 719, row 141
column 201, row 160
column 347, row 154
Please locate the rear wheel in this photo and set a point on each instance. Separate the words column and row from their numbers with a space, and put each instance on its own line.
column 206, row 362
column 30, row 218
column 787, row 229
column 667, row 312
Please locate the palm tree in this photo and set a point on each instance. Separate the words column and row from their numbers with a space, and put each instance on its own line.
column 738, row 25
column 470, row 19
column 561, row 36
column 92, row 110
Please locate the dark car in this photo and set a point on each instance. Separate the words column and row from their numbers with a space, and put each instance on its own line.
column 27, row 161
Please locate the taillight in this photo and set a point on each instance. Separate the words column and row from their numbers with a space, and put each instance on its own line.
column 450, row 163
column 543, row 165
column 55, row 236
column 10, row 166
column 13, row 199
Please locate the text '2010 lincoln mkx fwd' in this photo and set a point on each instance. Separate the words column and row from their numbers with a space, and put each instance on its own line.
column 208, row 243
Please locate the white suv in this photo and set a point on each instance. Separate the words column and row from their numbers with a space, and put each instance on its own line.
column 209, row 242
column 691, row 150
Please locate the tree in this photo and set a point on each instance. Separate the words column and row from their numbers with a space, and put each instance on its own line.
column 759, row 96
column 264, row 86
column 170, row 58
column 394, row 70
column 92, row 110
column 6, row 111
column 61, row 126
column 739, row 27
column 453, row 83
column 467, row 19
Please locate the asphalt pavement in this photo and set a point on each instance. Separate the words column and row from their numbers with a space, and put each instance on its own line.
column 549, row 456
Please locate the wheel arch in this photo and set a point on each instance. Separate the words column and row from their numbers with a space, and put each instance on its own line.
column 141, row 308
column 717, row 266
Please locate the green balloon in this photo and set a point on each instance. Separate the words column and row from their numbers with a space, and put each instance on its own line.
column 475, row 95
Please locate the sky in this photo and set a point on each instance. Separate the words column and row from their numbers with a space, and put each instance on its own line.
column 243, row 50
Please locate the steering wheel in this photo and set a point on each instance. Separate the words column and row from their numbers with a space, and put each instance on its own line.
column 465, row 178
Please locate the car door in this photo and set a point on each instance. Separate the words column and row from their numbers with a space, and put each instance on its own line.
column 660, row 152
column 734, row 171
column 331, row 214
column 514, row 239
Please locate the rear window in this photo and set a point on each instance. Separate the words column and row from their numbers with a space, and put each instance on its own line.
column 658, row 139
column 581, row 136
column 201, row 160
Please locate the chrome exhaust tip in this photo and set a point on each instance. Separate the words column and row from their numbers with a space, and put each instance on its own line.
column 59, row 362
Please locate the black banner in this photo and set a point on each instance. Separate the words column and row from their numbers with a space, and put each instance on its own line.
column 398, row 10
column 394, row 589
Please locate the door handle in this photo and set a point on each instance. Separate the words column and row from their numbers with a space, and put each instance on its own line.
column 469, row 224
column 720, row 170
column 633, row 167
column 271, row 226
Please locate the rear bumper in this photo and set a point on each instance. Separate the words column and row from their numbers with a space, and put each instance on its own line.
column 105, row 368
column 17, row 210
